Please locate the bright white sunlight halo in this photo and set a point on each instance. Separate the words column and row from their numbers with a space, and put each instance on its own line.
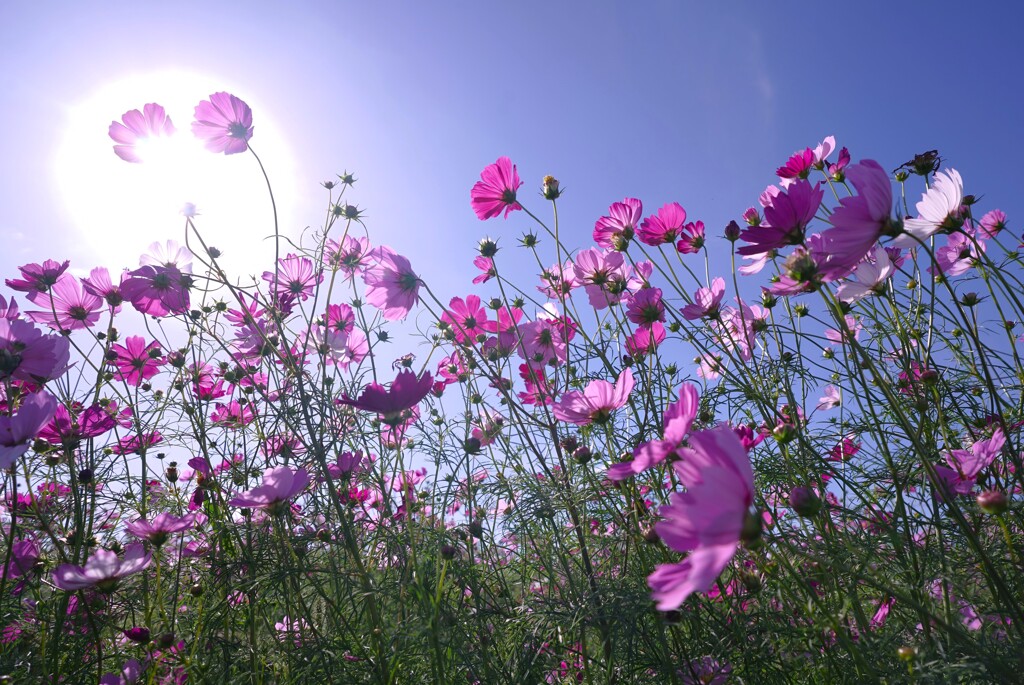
column 118, row 208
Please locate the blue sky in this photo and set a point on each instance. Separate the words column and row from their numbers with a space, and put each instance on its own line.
column 666, row 101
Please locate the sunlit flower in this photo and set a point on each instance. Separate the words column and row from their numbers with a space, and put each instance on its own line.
column 596, row 403
column 280, row 484
column 162, row 526
column 873, row 272
column 223, row 123
column 467, row 319
column 28, row 355
column 663, row 227
column 102, row 570
column 940, row 209
column 157, row 291
column 965, row 465
column 17, row 431
column 135, row 360
column 406, row 391
column 169, row 254
column 706, row 301
column 860, row 220
column 708, row 519
column 785, row 219
column 38, row 277
column 496, row 190
column 136, row 127
column 391, row 284
column 676, row 421
column 618, row 228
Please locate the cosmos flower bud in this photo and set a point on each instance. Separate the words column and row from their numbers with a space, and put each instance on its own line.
column 732, row 232
column 804, row 501
column 993, row 502
column 550, row 188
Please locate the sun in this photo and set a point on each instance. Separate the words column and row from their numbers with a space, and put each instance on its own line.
column 119, row 208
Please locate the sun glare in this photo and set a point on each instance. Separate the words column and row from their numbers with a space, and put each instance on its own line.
column 118, row 208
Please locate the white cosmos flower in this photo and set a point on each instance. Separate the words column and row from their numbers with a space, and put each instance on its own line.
column 940, row 201
column 871, row 277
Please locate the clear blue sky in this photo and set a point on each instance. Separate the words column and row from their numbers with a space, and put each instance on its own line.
column 666, row 101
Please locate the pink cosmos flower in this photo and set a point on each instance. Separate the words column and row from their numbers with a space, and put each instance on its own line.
column 616, row 230
column 873, row 272
column 350, row 256
column 467, row 319
column 68, row 429
column 831, row 399
column 391, row 284
column 295, row 278
column 706, row 301
column 677, row 421
column 739, row 327
column 823, row 150
column 24, row 556
column 137, row 444
column 546, row 341
column 691, row 239
column 135, row 127
column 157, row 291
column 487, row 270
column 646, row 307
column 940, row 209
column 860, row 220
column 100, row 284
column 601, row 273
column 965, row 465
column 708, row 519
column 38, row 277
column 496, row 190
column 786, row 219
column 664, row 227
column 161, row 527
column 135, row 360
column 67, row 306
column 280, row 484
column 798, row 166
column 28, row 355
column 223, row 123
column 645, row 340
column 838, row 170
column 596, row 403
column 406, row 391
column 992, row 223
column 17, row 431
column 102, row 570
column 960, row 254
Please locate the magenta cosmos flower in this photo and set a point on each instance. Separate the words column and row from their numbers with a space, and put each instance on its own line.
column 391, row 284
column 18, row 430
column 677, row 421
column 28, row 355
column 38, row 277
column 223, row 123
column 406, row 391
column 786, row 219
column 157, row 290
column 102, row 570
column 597, row 402
column 859, row 221
column 664, row 227
column 708, row 520
column 467, row 319
column 136, row 127
column 135, row 360
column 67, row 306
column 160, row 528
column 295, row 278
column 618, row 228
column 496, row 190
column 965, row 465
column 280, row 484
column 706, row 301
